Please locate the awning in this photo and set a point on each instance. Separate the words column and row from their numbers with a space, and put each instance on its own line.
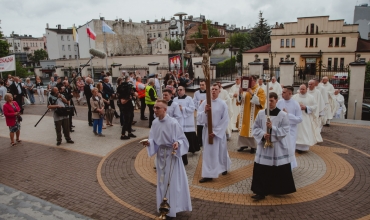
column 310, row 55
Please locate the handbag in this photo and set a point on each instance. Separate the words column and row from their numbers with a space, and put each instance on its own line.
column 19, row 118
column 65, row 111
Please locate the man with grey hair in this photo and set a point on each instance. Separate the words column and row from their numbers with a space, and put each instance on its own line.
column 341, row 112
column 150, row 98
column 109, row 92
column 87, row 91
column 275, row 87
column 331, row 98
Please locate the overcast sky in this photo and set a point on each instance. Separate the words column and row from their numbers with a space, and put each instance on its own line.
column 30, row 17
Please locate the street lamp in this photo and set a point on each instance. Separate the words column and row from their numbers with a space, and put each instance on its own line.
column 272, row 55
column 231, row 56
column 180, row 14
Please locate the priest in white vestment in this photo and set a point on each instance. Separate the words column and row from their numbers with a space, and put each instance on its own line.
column 215, row 160
column 234, row 94
column 275, row 87
column 224, row 95
column 272, row 172
column 187, row 122
column 166, row 136
column 308, row 133
column 199, row 96
column 331, row 98
column 341, row 112
column 320, row 112
column 292, row 108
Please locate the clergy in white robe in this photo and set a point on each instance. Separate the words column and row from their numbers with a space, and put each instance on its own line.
column 187, row 122
column 320, row 112
column 264, row 87
column 215, row 158
column 308, row 133
column 199, row 96
column 275, row 87
column 234, row 94
column 272, row 172
column 292, row 108
column 331, row 99
column 166, row 136
column 341, row 112
column 224, row 95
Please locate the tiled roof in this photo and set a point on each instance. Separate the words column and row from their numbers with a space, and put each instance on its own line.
column 61, row 31
column 262, row 49
column 363, row 45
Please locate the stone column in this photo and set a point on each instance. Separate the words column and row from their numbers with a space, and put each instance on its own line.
column 287, row 73
column 256, row 68
column 356, row 89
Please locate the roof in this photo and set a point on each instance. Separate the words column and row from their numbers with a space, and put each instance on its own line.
column 61, row 31
column 262, row 49
column 363, row 45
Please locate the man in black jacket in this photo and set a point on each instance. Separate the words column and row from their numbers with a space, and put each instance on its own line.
column 108, row 90
column 125, row 92
column 68, row 95
column 18, row 92
column 87, row 90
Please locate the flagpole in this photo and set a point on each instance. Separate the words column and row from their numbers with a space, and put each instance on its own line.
column 106, row 50
column 92, row 68
column 78, row 63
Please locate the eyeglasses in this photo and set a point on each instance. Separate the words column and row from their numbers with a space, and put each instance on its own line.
column 180, row 89
column 157, row 108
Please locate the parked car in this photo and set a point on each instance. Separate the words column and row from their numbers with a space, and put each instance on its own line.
column 365, row 112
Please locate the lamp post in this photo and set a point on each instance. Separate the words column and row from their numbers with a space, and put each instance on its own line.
column 320, row 64
column 180, row 14
column 272, row 55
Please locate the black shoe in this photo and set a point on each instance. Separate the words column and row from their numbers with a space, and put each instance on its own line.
column 73, row 126
column 70, row 142
column 132, row 135
column 258, row 197
column 133, row 130
column 59, row 143
column 96, row 133
column 203, row 180
column 124, row 137
column 224, row 173
column 71, row 130
column 145, row 118
column 300, row 151
column 133, row 122
column 253, row 151
column 117, row 116
column 242, row 149
column 327, row 125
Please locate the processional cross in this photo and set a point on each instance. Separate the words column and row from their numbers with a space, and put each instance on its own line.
column 205, row 66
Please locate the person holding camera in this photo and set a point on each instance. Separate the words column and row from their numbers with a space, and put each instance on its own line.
column 57, row 103
column 68, row 94
column 97, row 109
column 125, row 93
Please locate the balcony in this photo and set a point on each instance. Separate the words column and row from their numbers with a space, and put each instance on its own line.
column 26, row 48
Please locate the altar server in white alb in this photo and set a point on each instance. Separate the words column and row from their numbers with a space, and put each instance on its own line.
column 216, row 159
column 199, row 96
column 331, row 98
column 224, row 95
column 275, row 87
column 187, row 122
column 234, row 96
column 308, row 133
column 272, row 172
column 166, row 136
column 292, row 108
column 173, row 109
column 341, row 112
column 320, row 112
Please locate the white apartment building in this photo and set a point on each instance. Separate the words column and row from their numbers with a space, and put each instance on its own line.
column 60, row 44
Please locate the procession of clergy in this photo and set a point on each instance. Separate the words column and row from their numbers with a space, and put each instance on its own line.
column 295, row 124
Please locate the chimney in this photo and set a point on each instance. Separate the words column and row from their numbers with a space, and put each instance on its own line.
column 30, row 35
column 59, row 26
column 47, row 25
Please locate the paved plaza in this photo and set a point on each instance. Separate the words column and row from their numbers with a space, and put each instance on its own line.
column 107, row 178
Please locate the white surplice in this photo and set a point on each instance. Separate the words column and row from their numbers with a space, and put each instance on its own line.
column 198, row 97
column 341, row 112
column 280, row 153
column 163, row 134
column 329, row 88
column 308, row 133
column 235, row 108
column 215, row 157
column 224, row 95
column 187, row 114
column 320, row 112
column 295, row 117
column 276, row 87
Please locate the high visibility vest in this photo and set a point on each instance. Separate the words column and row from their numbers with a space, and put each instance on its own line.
column 140, row 92
column 148, row 100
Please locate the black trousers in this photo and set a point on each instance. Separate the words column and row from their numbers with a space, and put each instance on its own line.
column 151, row 115
column 142, row 108
column 19, row 100
column 62, row 124
column 127, row 120
column 89, row 113
column 200, row 135
column 111, row 103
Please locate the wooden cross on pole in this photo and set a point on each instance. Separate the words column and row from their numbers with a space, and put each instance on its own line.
column 205, row 65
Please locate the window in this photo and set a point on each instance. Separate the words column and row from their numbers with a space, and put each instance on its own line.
column 154, row 35
column 341, row 64
column 265, row 64
column 293, row 42
column 316, row 42
column 281, row 59
column 282, row 43
column 292, row 59
column 150, row 35
column 69, row 47
column 330, row 42
column 61, row 37
column 335, row 63
column 337, row 41
column 68, row 38
column 306, row 42
column 311, row 42
column 312, row 29
column 160, row 46
column 287, row 43
column 159, row 34
column 329, row 63
column 165, row 47
column 64, row 56
column 70, row 56
column 63, row 47
column 166, row 34
column 75, row 56
column 343, row 41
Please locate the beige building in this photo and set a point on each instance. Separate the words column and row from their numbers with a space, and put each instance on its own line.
column 24, row 43
column 159, row 46
column 312, row 38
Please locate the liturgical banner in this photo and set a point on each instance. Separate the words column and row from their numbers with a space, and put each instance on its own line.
column 7, row 63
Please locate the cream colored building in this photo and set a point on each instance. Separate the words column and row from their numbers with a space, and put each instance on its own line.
column 310, row 38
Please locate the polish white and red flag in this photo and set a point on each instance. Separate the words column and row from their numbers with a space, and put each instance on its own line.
column 90, row 33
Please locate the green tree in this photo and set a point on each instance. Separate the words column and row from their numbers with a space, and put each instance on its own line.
column 4, row 46
column 241, row 41
column 261, row 33
column 174, row 45
column 37, row 56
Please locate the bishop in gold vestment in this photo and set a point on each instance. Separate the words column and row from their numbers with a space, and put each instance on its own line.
column 252, row 101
